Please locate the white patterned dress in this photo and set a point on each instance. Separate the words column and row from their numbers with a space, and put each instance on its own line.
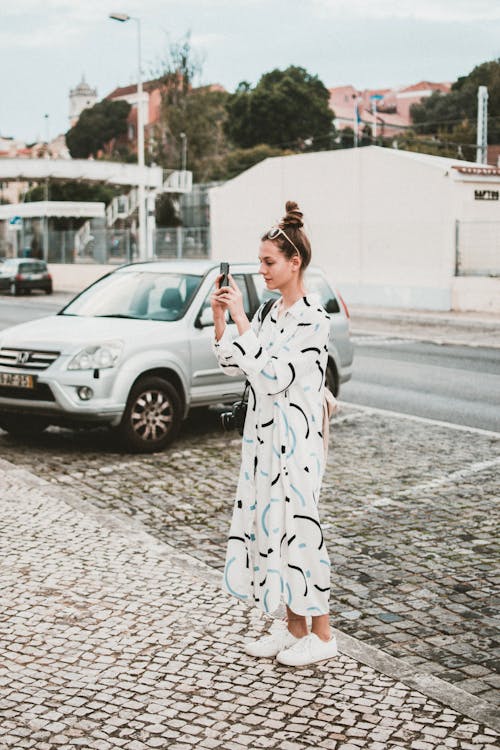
column 276, row 551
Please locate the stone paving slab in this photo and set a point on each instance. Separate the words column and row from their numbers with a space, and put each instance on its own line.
column 410, row 519
column 110, row 638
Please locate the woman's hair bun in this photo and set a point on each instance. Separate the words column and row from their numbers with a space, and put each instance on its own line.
column 293, row 216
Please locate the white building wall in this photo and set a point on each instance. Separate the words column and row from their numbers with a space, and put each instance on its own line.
column 380, row 224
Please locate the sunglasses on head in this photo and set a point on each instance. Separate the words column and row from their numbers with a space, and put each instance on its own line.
column 275, row 232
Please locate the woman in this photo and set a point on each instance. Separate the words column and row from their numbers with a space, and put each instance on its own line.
column 275, row 549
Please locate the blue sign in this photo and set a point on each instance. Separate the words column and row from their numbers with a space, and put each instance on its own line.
column 15, row 221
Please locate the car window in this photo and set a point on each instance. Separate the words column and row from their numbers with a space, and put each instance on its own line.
column 314, row 283
column 319, row 285
column 36, row 267
column 241, row 281
column 262, row 291
column 145, row 295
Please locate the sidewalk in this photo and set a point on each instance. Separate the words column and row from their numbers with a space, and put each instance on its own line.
column 459, row 328
column 111, row 639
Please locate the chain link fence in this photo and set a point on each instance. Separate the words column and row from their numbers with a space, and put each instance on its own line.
column 111, row 246
column 477, row 248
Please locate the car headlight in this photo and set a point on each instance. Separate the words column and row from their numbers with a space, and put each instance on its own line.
column 98, row 357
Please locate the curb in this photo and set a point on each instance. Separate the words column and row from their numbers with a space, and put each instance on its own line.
column 428, row 319
column 423, row 338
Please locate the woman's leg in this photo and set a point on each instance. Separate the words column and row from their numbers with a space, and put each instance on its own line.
column 321, row 627
column 297, row 624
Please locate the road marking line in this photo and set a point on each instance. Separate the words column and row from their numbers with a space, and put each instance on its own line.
column 382, row 339
column 425, row 420
column 455, row 476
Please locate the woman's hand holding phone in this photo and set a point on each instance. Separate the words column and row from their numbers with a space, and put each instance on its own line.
column 228, row 297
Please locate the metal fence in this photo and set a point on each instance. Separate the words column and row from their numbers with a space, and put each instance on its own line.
column 477, row 248
column 108, row 246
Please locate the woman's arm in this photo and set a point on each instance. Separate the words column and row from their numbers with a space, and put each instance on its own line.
column 222, row 338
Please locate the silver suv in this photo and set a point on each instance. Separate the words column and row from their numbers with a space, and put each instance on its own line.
column 133, row 351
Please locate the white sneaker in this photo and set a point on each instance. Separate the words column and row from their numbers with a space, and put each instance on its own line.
column 308, row 650
column 272, row 644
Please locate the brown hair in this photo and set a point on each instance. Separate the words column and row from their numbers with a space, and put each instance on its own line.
column 292, row 225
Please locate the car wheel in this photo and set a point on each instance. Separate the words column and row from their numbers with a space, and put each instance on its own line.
column 332, row 378
column 13, row 289
column 23, row 426
column 48, row 290
column 152, row 417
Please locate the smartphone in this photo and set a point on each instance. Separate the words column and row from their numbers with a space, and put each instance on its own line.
column 224, row 270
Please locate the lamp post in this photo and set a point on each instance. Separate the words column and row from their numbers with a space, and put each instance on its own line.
column 123, row 17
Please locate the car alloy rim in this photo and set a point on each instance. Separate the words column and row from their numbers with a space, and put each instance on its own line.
column 152, row 415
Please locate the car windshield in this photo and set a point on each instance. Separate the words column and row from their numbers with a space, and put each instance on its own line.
column 142, row 295
column 32, row 267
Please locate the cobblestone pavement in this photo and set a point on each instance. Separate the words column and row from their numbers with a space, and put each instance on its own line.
column 409, row 515
column 110, row 639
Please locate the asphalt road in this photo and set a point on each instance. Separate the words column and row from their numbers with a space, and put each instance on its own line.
column 457, row 384
column 14, row 310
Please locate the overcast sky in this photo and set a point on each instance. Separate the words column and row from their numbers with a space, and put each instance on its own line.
column 47, row 45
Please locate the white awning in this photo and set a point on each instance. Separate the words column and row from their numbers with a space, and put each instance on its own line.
column 87, row 170
column 74, row 209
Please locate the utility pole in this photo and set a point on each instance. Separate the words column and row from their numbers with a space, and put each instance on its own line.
column 375, row 98
column 46, row 222
column 482, row 125
column 356, row 119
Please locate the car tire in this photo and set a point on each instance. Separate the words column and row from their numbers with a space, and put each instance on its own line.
column 152, row 417
column 48, row 290
column 13, row 289
column 332, row 378
column 21, row 425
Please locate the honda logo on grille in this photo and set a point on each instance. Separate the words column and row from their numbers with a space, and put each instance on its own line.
column 22, row 358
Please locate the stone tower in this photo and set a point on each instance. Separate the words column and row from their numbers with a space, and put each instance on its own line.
column 80, row 98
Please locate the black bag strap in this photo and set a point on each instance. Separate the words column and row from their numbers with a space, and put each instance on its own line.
column 266, row 309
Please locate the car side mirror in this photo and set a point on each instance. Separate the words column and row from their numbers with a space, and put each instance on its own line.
column 205, row 318
column 332, row 306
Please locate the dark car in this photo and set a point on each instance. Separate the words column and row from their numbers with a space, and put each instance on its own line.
column 19, row 275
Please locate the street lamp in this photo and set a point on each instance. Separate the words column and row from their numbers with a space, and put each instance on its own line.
column 123, row 17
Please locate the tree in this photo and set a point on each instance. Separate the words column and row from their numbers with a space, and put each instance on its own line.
column 287, row 108
column 98, row 128
column 238, row 160
column 450, row 119
column 197, row 112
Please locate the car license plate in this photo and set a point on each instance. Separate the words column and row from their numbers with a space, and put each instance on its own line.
column 16, row 380
column 34, row 276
